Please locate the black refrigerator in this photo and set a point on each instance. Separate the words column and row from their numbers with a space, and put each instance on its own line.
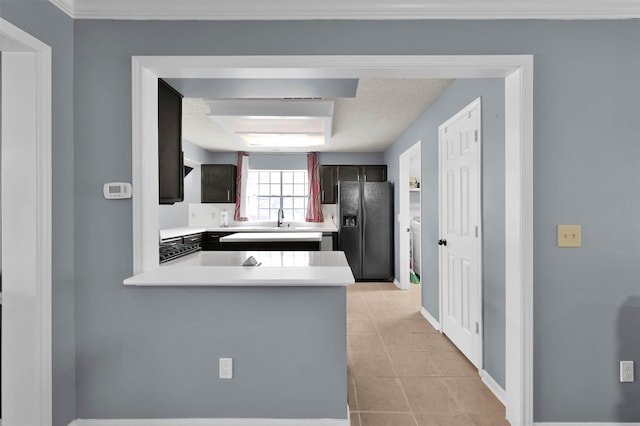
column 365, row 233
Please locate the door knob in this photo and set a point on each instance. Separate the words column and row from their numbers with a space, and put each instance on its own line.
column 442, row 242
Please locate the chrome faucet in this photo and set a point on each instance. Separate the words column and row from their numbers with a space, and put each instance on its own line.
column 280, row 217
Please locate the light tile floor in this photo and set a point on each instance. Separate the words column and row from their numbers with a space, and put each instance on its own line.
column 402, row 372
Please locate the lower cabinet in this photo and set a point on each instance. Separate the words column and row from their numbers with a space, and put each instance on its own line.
column 272, row 246
column 211, row 240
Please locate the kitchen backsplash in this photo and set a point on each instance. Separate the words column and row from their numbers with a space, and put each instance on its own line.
column 209, row 214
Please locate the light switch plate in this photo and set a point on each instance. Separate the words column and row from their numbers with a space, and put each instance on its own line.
column 626, row 371
column 225, row 368
column 569, row 235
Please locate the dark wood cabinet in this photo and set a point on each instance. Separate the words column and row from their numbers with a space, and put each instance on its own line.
column 374, row 173
column 211, row 240
column 348, row 173
column 170, row 157
column 366, row 173
column 330, row 175
column 328, row 184
column 218, row 183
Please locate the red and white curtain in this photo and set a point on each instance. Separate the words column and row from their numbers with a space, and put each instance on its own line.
column 314, row 206
column 240, row 214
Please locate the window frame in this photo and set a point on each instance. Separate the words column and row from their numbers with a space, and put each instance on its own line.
column 275, row 181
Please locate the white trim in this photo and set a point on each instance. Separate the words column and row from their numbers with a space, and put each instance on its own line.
column 211, row 422
column 434, row 322
column 585, row 424
column 26, row 228
column 146, row 219
column 67, row 6
column 517, row 70
column 353, row 9
column 519, row 244
column 397, row 283
column 404, row 223
column 493, row 386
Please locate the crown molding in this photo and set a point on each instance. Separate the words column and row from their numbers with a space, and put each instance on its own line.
column 231, row 10
column 67, row 6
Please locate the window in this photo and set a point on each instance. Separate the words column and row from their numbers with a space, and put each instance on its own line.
column 270, row 190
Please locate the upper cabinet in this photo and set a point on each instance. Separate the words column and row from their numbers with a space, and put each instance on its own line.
column 218, row 183
column 348, row 173
column 328, row 182
column 375, row 173
column 330, row 176
column 170, row 157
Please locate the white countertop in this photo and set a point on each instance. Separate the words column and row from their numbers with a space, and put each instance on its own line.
column 179, row 232
column 311, row 227
column 277, row 269
column 242, row 237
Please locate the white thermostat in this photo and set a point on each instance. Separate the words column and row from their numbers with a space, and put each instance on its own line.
column 116, row 190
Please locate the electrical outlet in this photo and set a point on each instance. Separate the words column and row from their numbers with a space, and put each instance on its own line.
column 569, row 236
column 225, row 368
column 626, row 371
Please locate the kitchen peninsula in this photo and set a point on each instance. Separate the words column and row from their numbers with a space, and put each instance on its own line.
column 224, row 269
column 282, row 322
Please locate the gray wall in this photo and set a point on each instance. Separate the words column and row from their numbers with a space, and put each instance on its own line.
column 585, row 160
column 296, row 161
column 160, row 358
column 356, row 158
column 47, row 23
column 425, row 129
column 585, row 165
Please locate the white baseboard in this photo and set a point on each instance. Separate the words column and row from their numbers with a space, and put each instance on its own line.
column 397, row 283
column 494, row 387
column 584, row 424
column 210, row 422
column 434, row 322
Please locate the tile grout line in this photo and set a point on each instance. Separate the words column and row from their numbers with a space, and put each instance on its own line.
column 395, row 371
column 404, row 392
column 386, row 295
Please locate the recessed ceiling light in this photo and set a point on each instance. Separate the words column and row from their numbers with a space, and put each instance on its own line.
column 274, row 123
column 282, row 140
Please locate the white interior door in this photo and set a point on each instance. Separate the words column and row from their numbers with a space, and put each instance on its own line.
column 460, row 247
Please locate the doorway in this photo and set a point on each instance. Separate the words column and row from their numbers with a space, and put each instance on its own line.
column 26, row 228
column 410, row 208
column 517, row 74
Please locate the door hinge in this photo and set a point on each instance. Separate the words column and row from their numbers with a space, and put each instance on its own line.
column 476, row 232
column 477, row 328
column 476, row 135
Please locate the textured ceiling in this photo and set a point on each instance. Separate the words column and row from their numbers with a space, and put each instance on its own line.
column 370, row 122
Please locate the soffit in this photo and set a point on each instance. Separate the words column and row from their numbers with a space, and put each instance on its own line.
column 369, row 122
